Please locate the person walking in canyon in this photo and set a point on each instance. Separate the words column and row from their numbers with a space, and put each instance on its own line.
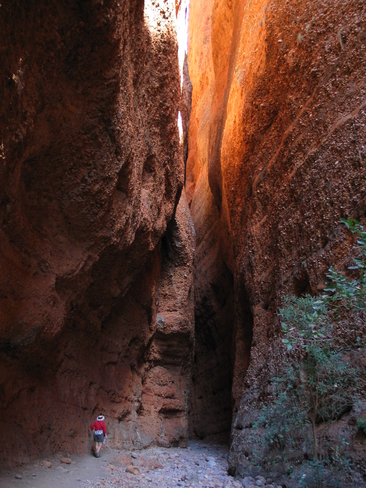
column 100, row 434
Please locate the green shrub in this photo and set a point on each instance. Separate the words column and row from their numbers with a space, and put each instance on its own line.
column 343, row 291
column 319, row 381
column 315, row 475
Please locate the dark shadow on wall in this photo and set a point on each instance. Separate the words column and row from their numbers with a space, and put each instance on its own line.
column 242, row 342
column 211, row 407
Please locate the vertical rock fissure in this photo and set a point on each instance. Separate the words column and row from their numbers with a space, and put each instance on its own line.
column 242, row 343
column 217, row 325
column 211, row 406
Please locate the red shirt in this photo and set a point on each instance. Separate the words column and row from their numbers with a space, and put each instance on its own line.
column 99, row 426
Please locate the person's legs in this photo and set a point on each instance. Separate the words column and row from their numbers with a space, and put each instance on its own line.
column 97, row 444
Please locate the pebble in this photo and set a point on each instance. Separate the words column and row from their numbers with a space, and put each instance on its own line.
column 247, row 481
column 65, row 460
column 18, row 476
column 200, row 466
column 133, row 470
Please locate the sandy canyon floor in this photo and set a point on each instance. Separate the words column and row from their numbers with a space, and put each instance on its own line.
column 200, row 465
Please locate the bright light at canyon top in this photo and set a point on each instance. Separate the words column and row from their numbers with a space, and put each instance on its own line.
column 163, row 16
column 182, row 16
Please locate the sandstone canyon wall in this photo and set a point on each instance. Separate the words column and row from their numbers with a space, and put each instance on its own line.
column 277, row 156
column 96, row 241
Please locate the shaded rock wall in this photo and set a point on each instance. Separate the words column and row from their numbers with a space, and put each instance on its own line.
column 91, row 172
column 277, row 156
column 211, row 408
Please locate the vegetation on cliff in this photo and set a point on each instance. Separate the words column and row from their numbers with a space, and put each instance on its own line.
column 323, row 375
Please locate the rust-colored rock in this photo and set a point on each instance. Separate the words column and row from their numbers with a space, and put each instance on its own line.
column 65, row 460
column 91, row 174
column 150, row 463
column 276, row 158
column 120, row 460
column 133, row 470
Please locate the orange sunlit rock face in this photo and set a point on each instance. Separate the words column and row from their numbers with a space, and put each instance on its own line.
column 276, row 158
column 91, row 177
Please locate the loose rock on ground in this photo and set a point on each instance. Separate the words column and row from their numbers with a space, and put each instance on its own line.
column 200, row 465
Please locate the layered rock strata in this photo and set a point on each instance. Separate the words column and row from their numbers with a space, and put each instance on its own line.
column 96, row 241
column 276, row 158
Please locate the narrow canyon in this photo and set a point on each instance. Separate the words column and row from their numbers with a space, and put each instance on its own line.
column 169, row 172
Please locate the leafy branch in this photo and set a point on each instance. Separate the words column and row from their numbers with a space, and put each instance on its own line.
column 319, row 380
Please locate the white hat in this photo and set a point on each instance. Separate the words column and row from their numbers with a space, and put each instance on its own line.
column 100, row 418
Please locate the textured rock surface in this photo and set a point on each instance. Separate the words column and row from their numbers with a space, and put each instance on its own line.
column 96, row 309
column 211, row 410
column 277, row 156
